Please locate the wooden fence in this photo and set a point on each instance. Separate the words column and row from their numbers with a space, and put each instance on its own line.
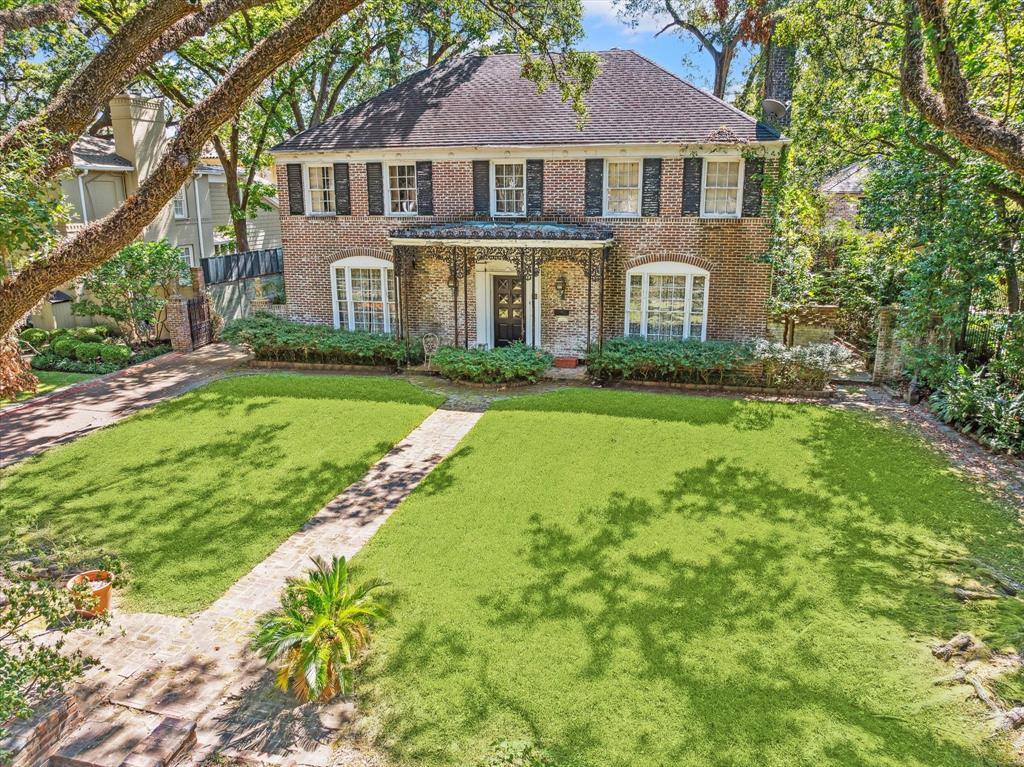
column 240, row 266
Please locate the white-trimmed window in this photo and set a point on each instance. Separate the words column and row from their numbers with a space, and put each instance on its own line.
column 722, row 188
column 402, row 190
column 667, row 300
column 622, row 188
column 180, row 204
column 508, row 188
column 186, row 255
column 365, row 295
column 320, row 189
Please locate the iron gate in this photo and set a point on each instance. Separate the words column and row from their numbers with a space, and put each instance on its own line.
column 199, row 321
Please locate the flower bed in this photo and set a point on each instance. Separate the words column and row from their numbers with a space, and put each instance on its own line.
column 507, row 364
column 84, row 350
column 278, row 340
column 983, row 406
column 717, row 363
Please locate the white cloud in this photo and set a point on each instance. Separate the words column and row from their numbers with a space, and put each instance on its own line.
column 605, row 12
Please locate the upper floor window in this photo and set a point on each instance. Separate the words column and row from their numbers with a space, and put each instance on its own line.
column 622, row 188
column 723, row 184
column 508, row 182
column 321, row 189
column 402, row 189
column 667, row 301
column 180, row 204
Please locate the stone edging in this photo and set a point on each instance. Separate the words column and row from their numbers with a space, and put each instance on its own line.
column 31, row 740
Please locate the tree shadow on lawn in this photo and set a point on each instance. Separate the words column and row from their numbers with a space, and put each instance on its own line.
column 797, row 567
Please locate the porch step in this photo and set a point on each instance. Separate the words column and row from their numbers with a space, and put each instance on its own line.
column 123, row 738
column 172, row 739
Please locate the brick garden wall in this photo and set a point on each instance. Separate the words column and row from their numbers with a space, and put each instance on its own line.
column 729, row 249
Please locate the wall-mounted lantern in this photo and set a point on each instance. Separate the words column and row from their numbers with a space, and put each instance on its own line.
column 561, row 286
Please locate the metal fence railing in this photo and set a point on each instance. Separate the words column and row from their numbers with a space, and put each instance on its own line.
column 240, row 266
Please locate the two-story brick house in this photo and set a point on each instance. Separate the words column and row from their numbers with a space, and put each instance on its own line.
column 464, row 203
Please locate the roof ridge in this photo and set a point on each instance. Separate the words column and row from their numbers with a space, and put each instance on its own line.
column 710, row 95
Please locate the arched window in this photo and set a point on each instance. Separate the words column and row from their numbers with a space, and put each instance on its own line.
column 667, row 300
column 364, row 294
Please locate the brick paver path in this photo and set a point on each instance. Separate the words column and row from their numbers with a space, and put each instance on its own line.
column 201, row 668
column 30, row 428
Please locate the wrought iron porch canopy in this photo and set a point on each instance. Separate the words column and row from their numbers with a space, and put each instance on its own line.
column 530, row 234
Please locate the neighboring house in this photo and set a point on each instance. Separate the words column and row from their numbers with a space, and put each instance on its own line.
column 108, row 168
column 844, row 190
column 463, row 203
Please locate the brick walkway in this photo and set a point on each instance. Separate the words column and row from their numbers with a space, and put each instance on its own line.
column 201, row 669
column 40, row 423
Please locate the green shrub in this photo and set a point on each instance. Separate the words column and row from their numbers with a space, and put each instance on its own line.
column 48, row 360
column 689, row 361
column 115, row 353
column 88, row 351
column 798, row 367
column 980, row 404
column 36, row 337
column 149, row 352
column 506, row 364
column 273, row 338
column 91, row 332
column 64, row 346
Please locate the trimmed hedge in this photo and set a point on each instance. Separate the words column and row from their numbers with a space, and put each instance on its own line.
column 761, row 363
column 35, row 336
column 506, row 364
column 275, row 339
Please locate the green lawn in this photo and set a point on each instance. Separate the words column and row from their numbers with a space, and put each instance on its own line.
column 48, row 381
column 195, row 491
column 641, row 580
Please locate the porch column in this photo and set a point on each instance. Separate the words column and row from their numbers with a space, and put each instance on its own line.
column 590, row 299
column 465, row 297
column 600, row 300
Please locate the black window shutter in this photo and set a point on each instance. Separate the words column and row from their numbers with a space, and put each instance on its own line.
column 593, row 188
column 693, row 172
column 375, row 188
column 296, row 201
column 753, row 174
column 342, row 196
column 534, row 187
column 482, row 187
column 650, row 205
column 425, row 188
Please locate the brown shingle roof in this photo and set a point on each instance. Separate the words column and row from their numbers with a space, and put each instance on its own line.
column 94, row 150
column 483, row 100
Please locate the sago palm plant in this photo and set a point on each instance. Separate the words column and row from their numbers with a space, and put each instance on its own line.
column 319, row 631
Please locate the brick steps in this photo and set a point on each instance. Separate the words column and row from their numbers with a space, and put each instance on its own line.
column 123, row 738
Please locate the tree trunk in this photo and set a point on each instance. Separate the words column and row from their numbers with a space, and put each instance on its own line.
column 723, row 63
column 99, row 241
column 229, row 161
column 1012, row 288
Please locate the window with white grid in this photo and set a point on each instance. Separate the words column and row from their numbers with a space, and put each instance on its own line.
column 321, row 189
column 668, row 304
column 365, row 296
column 622, row 188
column 508, row 182
column 721, row 198
column 180, row 204
column 402, row 189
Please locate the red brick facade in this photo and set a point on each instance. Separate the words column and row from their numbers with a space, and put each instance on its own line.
column 729, row 249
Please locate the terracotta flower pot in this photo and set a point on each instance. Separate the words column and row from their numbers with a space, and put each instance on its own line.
column 566, row 362
column 99, row 584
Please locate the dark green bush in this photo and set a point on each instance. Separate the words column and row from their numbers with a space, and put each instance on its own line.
column 91, row 332
column 88, row 351
column 50, row 360
column 37, row 337
column 64, row 346
column 273, row 338
column 979, row 403
column 517, row 362
column 761, row 363
column 115, row 353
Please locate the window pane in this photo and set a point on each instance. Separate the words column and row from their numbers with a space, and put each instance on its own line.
column 697, row 308
column 321, row 189
column 367, row 300
column 392, row 300
column 666, row 306
column 623, row 184
column 509, row 188
column 721, row 187
column 402, row 188
column 636, row 286
column 339, row 278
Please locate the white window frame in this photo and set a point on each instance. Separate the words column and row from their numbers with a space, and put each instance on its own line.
column 308, row 191
column 739, row 187
column 188, row 254
column 662, row 268
column 494, row 190
column 387, row 187
column 639, row 188
column 362, row 262
column 180, row 200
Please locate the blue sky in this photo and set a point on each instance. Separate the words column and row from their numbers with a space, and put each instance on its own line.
column 676, row 53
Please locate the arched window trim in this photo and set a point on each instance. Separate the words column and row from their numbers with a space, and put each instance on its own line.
column 386, row 284
column 660, row 268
